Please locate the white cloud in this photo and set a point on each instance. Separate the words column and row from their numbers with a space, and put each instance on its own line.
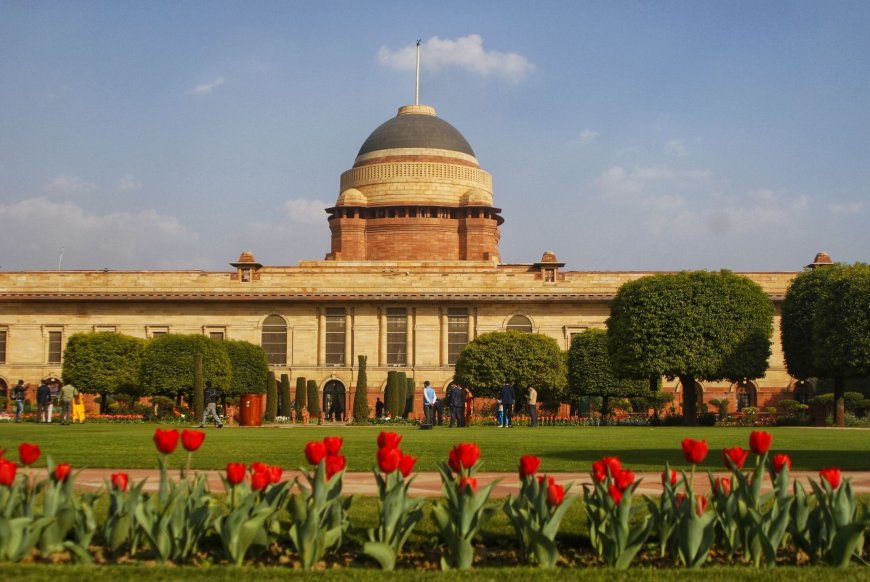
column 119, row 240
column 847, row 208
column 67, row 184
column 617, row 182
column 588, row 135
column 676, row 148
column 756, row 210
column 466, row 53
column 129, row 183
column 206, row 88
column 304, row 211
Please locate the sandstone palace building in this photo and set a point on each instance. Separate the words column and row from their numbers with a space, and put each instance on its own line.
column 413, row 274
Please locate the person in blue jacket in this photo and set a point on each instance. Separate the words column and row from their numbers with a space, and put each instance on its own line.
column 507, row 400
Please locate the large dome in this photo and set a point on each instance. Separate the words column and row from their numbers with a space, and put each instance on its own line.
column 416, row 126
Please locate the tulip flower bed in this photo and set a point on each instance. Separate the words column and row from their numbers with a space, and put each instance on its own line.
column 262, row 518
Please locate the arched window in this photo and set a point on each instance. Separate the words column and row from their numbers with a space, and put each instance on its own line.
column 274, row 340
column 746, row 395
column 519, row 323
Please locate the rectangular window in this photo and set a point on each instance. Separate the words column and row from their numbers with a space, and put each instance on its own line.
column 457, row 333
column 55, row 338
column 397, row 336
column 2, row 346
column 156, row 330
column 335, row 336
column 105, row 328
column 216, row 335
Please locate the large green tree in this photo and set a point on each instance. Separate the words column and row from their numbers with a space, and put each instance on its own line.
column 167, row 363
column 250, row 368
column 826, row 327
column 590, row 372
column 695, row 325
column 515, row 358
column 104, row 363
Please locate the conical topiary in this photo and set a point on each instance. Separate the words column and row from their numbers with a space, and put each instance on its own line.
column 301, row 393
column 271, row 397
column 391, row 396
column 402, row 388
column 285, row 396
column 361, row 399
column 410, row 395
column 313, row 400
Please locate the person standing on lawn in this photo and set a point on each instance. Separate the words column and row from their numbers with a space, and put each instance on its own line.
column 18, row 394
column 43, row 400
column 67, row 393
column 211, row 396
column 507, row 399
column 429, row 403
column 533, row 406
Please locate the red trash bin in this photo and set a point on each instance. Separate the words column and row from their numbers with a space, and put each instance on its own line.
column 249, row 410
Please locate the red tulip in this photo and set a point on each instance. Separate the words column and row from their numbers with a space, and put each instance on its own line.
column 722, row 485
column 694, row 451
column 545, row 479
column 333, row 445
column 831, row 475
column 334, row 464
column 736, row 456
column 389, row 460
column 701, row 505
column 274, row 474
column 759, row 441
column 235, row 473
column 315, row 451
column 623, row 479
column 166, row 440
column 606, row 466
column 463, row 456
column 779, row 461
column 555, row 495
column 259, row 481
column 615, row 494
column 192, row 439
column 120, row 481
column 469, row 482
column 673, row 478
column 529, row 465
column 389, row 440
column 62, row 471
column 28, row 454
column 7, row 472
column 258, row 467
column 406, row 465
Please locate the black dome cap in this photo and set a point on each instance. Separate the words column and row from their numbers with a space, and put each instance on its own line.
column 416, row 130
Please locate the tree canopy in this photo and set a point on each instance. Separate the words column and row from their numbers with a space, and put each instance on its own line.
column 511, row 357
column 694, row 325
column 250, row 368
column 167, row 363
column 590, row 372
column 826, row 326
column 102, row 362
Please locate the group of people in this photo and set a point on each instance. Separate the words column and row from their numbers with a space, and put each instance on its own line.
column 48, row 394
column 506, row 403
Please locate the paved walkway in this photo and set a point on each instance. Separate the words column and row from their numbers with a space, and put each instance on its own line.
column 429, row 484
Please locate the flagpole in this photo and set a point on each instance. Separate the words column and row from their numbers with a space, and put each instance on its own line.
column 417, row 86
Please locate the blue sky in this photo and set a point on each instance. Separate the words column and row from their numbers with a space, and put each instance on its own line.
column 621, row 135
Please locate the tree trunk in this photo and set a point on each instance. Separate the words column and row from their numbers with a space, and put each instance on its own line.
column 653, row 388
column 690, row 401
column 198, row 391
column 605, row 410
column 104, row 403
column 839, row 401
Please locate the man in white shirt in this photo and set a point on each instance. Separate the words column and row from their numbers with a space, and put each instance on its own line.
column 533, row 406
column 429, row 403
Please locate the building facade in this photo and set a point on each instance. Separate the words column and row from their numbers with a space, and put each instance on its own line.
column 412, row 275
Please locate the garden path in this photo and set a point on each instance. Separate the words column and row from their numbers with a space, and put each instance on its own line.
column 429, row 484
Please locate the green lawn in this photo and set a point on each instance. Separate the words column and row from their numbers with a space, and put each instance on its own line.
column 561, row 448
